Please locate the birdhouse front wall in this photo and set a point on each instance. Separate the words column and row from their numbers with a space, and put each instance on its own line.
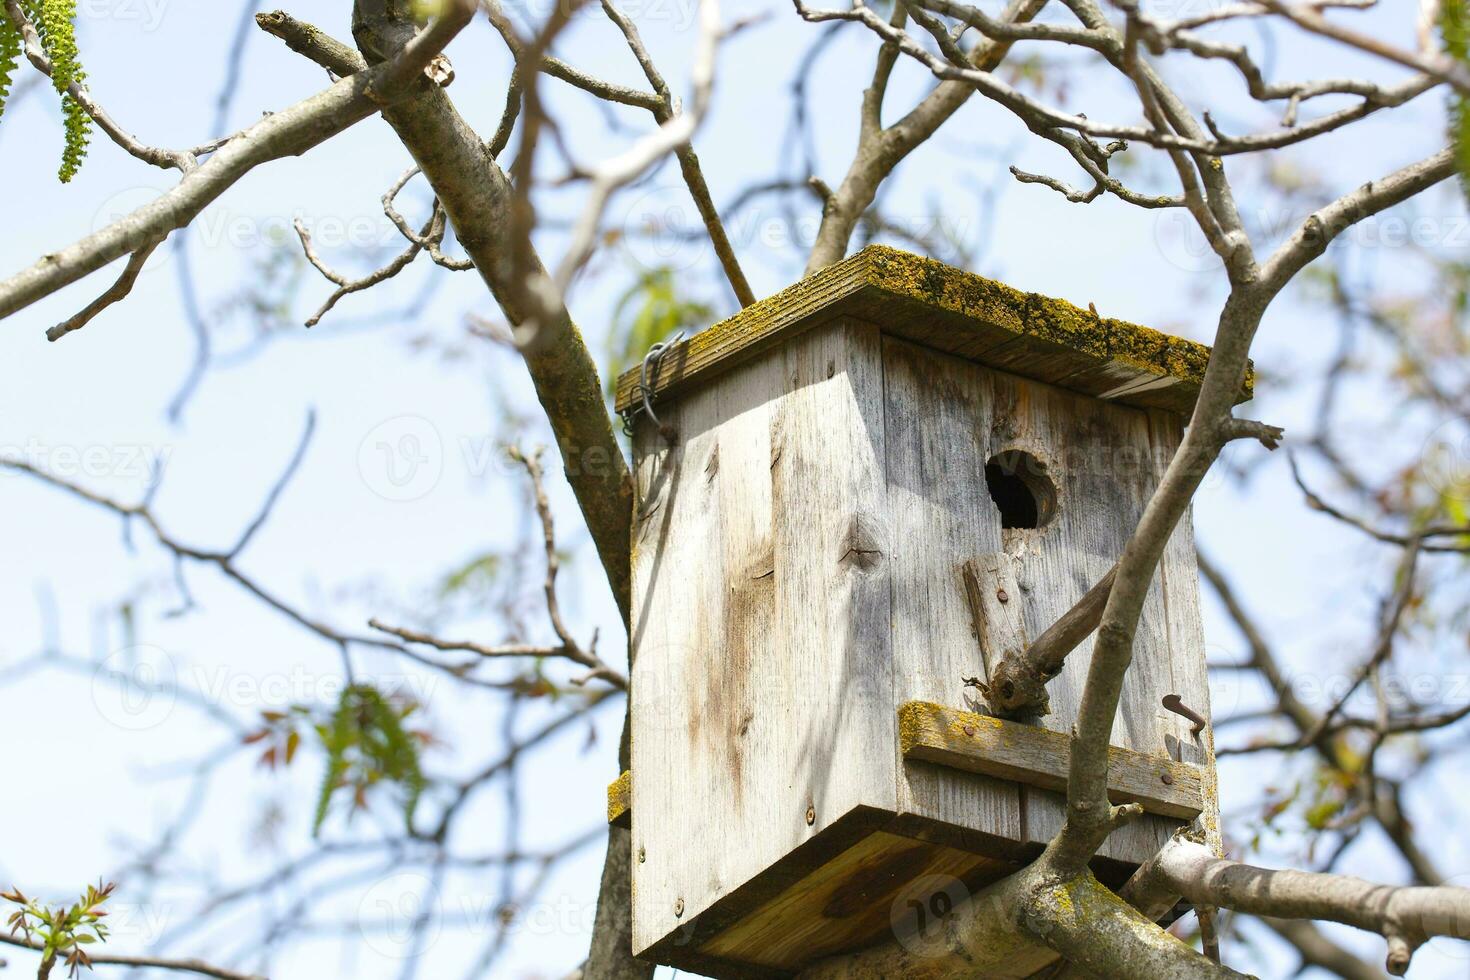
column 801, row 548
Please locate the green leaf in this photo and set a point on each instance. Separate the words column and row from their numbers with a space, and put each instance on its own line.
column 366, row 745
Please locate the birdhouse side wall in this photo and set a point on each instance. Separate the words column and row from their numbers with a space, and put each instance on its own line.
column 763, row 708
column 945, row 418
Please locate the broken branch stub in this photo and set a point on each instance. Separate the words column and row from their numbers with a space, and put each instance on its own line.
column 1016, row 686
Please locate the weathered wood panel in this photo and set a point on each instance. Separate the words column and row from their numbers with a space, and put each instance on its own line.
column 942, row 517
column 1188, row 665
column 832, row 545
column 761, row 590
column 946, row 418
column 855, row 900
column 1098, row 457
column 1038, row 757
column 678, row 601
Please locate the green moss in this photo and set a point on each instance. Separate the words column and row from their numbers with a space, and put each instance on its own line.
column 884, row 284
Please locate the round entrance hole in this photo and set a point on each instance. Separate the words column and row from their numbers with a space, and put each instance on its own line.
column 1023, row 493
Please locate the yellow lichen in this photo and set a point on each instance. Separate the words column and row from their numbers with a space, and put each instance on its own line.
column 1048, row 323
column 619, row 796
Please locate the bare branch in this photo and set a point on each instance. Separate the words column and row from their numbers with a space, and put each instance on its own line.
column 689, row 165
column 1317, row 950
column 568, row 648
column 1406, row 917
column 289, row 132
column 1441, row 67
column 152, row 962
column 116, row 293
column 475, row 194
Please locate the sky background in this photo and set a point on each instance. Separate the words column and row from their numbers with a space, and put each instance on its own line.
column 89, row 774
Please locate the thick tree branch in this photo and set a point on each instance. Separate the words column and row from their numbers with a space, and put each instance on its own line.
column 1000, row 931
column 1406, row 917
column 1089, row 820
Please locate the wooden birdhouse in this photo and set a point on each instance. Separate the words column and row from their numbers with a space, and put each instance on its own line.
column 851, row 497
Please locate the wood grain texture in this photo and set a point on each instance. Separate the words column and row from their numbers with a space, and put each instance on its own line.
column 861, row 897
column 1179, row 572
column 1098, row 458
column 1037, row 757
column 761, row 623
column 942, row 517
column 955, row 311
column 678, row 605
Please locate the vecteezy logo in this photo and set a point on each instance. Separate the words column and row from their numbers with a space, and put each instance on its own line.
column 656, row 229
column 399, row 917
column 401, row 459
column 135, row 688
column 124, row 203
column 1180, row 241
column 919, row 912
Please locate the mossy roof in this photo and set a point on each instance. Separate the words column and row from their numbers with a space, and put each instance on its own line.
column 957, row 312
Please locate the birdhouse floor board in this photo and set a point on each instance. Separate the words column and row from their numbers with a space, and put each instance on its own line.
column 854, row 901
column 862, row 881
column 1038, row 757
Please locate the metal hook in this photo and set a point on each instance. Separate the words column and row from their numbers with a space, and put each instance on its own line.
column 645, row 387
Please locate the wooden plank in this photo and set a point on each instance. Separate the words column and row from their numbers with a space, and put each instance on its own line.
column 832, row 700
column 948, row 309
column 1038, row 757
column 849, row 902
column 620, row 801
column 761, row 626
column 1097, row 457
column 1179, row 573
column 941, row 515
column 678, row 599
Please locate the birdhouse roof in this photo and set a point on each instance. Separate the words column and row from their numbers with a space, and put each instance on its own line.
column 960, row 313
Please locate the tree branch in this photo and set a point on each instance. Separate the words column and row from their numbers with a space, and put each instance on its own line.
column 1406, row 917
column 476, row 194
column 153, row 962
column 289, row 132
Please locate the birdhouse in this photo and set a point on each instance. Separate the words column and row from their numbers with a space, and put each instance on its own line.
column 850, row 497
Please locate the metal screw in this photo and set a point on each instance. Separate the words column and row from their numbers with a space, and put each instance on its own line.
column 1167, row 779
column 642, row 855
column 1002, row 595
column 811, row 815
column 678, row 907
